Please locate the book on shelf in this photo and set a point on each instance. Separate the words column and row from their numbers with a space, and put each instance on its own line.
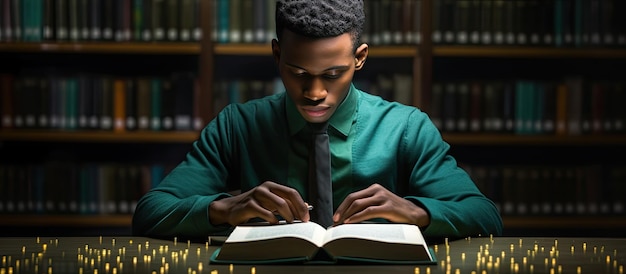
column 100, row 20
column 92, row 101
column 552, row 190
column 88, row 187
column 308, row 242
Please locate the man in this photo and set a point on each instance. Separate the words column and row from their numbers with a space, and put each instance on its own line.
column 388, row 161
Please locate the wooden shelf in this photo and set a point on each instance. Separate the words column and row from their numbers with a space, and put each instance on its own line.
column 556, row 222
column 99, row 136
column 527, row 52
column 266, row 49
column 545, row 140
column 125, row 220
column 103, row 47
column 121, row 220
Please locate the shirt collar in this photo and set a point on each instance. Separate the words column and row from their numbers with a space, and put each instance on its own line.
column 341, row 120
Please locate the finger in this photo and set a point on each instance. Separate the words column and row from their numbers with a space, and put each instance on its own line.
column 276, row 198
column 342, row 210
column 293, row 203
column 368, row 213
column 255, row 210
column 284, row 209
column 355, row 207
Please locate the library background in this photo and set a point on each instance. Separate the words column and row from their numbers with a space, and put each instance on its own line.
column 100, row 99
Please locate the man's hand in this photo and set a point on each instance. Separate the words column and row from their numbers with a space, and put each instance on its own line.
column 263, row 201
column 378, row 202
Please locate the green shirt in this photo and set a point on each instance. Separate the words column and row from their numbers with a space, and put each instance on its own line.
column 371, row 141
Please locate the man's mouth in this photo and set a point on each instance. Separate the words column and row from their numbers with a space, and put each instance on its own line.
column 316, row 111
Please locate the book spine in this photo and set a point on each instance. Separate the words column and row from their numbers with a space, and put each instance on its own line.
column 146, row 21
column 247, row 21
column 172, row 20
column 270, row 23
column 61, row 24
column 119, row 105
column 143, row 103
column 259, row 11
column 183, row 106
column 449, row 107
column 223, row 27
column 130, row 104
column 476, row 115
column 18, row 30
column 71, row 104
column 384, row 21
column 168, row 96
column 463, row 107
column 137, row 20
column 85, row 94
column 234, row 21
column 108, row 19
column 43, row 97
column 198, row 122
column 197, row 31
column 155, row 104
column 186, row 18
column 95, row 104
column 84, row 23
column 95, row 20
column 7, row 101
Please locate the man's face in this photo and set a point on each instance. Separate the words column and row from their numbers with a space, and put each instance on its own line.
column 316, row 72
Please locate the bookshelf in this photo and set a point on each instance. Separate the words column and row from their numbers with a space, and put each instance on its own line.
column 428, row 61
column 113, row 157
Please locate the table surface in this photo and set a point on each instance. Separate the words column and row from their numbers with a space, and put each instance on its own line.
column 148, row 255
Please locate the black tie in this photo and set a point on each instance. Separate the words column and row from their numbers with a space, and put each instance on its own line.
column 320, row 183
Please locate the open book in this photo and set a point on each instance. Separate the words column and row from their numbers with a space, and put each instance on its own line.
column 310, row 242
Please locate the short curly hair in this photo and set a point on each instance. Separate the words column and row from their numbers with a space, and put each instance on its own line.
column 321, row 18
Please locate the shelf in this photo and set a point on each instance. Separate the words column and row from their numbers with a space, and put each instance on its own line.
column 125, row 220
column 98, row 136
column 544, row 140
column 555, row 222
column 266, row 49
column 527, row 52
column 121, row 220
column 102, row 47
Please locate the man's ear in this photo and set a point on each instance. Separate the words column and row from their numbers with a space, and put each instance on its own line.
column 276, row 50
column 360, row 55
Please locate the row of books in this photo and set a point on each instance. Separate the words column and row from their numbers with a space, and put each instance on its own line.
column 571, row 107
column 573, row 23
column 71, row 188
column 100, row 102
column 553, row 190
column 96, row 20
column 104, row 188
column 233, row 91
column 480, row 22
column 392, row 87
column 252, row 21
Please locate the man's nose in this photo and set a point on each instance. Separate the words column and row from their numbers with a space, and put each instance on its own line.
column 315, row 90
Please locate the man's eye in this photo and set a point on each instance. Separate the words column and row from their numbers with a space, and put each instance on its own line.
column 300, row 73
column 332, row 76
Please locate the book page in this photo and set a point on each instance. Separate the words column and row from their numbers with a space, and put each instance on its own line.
column 391, row 233
column 309, row 231
column 387, row 242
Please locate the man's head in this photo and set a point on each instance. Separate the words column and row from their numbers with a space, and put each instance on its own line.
column 317, row 52
column 320, row 19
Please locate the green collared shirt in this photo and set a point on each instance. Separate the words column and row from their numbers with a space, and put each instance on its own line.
column 371, row 141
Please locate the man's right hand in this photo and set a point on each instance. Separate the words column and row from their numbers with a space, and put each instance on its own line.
column 263, row 201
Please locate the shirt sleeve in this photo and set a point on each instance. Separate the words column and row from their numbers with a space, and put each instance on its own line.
column 456, row 206
column 179, row 204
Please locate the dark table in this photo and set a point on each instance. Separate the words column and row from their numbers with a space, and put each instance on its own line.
column 147, row 255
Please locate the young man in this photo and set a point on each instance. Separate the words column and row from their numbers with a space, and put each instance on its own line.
column 388, row 161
